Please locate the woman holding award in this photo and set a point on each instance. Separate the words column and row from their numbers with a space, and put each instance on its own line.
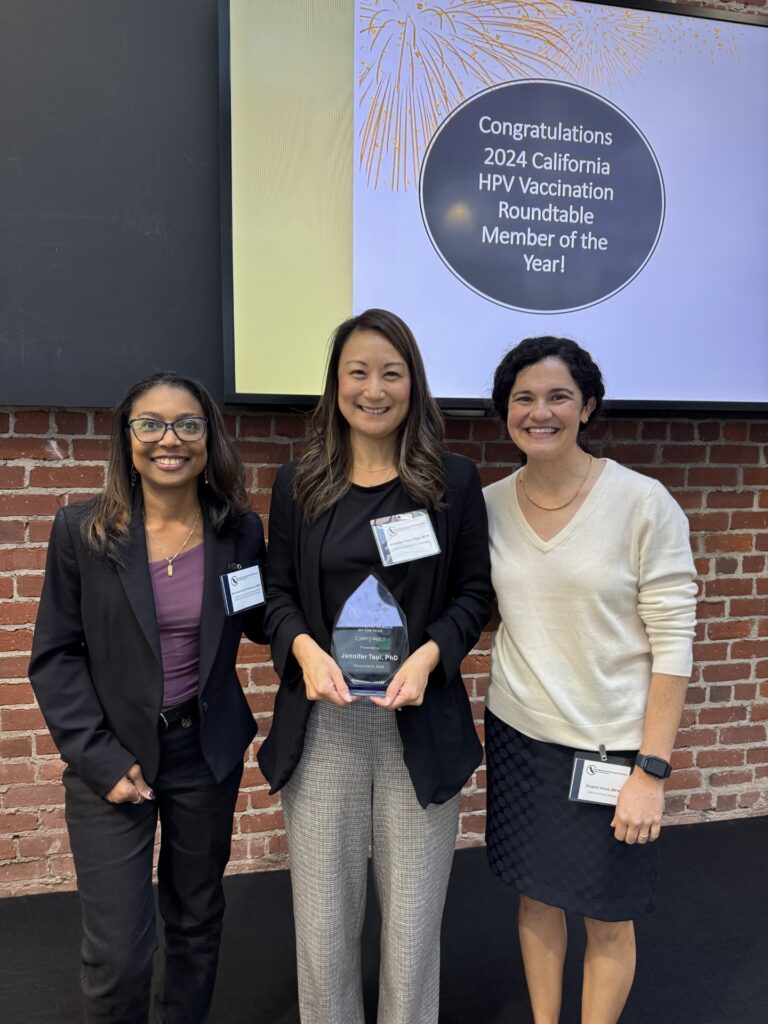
column 133, row 666
column 593, row 575
column 376, row 526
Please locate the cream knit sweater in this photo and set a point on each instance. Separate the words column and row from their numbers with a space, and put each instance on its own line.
column 587, row 616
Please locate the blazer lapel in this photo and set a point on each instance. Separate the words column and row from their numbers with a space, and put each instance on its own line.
column 136, row 580
column 219, row 555
column 311, row 538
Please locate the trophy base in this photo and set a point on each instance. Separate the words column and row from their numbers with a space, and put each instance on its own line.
column 359, row 688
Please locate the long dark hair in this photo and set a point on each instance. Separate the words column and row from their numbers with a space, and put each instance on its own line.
column 224, row 493
column 323, row 473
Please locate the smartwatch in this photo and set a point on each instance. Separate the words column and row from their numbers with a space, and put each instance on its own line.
column 655, row 766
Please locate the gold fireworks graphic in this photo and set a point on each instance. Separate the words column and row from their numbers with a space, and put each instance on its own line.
column 422, row 60
column 611, row 45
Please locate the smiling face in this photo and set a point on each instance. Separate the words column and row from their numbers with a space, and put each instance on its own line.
column 546, row 408
column 374, row 386
column 168, row 462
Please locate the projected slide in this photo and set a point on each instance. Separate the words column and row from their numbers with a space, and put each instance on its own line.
column 496, row 170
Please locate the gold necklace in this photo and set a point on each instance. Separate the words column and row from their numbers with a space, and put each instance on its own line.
column 186, row 541
column 556, row 508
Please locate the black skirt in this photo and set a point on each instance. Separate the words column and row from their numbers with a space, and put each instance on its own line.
column 553, row 849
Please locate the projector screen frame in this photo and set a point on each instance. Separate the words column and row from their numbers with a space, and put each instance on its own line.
column 469, row 406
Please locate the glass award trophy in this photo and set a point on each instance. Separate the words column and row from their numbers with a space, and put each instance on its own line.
column 369, row 642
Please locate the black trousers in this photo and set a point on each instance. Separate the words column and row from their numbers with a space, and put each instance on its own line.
column 112, row 845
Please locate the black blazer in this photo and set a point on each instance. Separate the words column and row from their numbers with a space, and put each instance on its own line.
column 449, row 599
column 96, row 666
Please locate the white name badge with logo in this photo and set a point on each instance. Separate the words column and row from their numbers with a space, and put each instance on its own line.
column 596, row 779
column 405, row 537
column 242, row 589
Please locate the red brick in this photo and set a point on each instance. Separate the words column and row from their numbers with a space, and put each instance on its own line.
column 17, row 612
column 731, row 499
column 15, row 822
column 712, row 476
column 29, row 448
column 67, row 476
column 14, row 668
column 21, row 720
column 729, row 630
column 487, row 429
column 734, row 454
column 43, row 845
column 735, row 431
column 683, row 453
column 755, row 476
column 11, row 477
column 29, row 586
column 757, row 755
column 21, row 558
column 15, row 746
column 71, row 422
column 672, row 476
column 710, row 610
column 683, row 780
column 719, row 758
column 631, row 454
column 696, row 738
column 263, row 451
column 728, row 587
column 743, row 734
column 759, row 712
column 5, row 422
column 21, row 772
column 729, row 778
column 700, row 801
column 727, row 801
column 716, row 716
column 90, row 449
column 22, row 870
column 11, row 531
column 750, row 649
column 490, row 474
column 102, row 423
column 724, row 672
column 749, row 606
column 28, row 504
column 40, row 531
column 729, row 542
column 31, row 421
column 32, row 796
column 705, row 521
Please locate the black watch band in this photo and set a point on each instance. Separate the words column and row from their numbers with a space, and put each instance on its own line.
column 655, row 766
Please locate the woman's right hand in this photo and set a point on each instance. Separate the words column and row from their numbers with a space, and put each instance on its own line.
column 323, row 678
column 131, row 789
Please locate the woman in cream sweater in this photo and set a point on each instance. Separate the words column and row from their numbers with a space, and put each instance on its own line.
column 593, row 574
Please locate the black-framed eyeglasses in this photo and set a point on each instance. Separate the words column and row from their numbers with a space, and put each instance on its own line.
column 148, row 430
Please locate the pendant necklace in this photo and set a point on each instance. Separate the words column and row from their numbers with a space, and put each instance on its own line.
column 556, row 508
column 186, row 541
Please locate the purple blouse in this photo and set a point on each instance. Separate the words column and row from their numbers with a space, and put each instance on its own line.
column 178, row 606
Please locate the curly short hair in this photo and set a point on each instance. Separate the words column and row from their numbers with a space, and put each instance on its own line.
column 580, row 363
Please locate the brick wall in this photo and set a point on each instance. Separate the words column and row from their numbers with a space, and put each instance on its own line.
column 717, row 470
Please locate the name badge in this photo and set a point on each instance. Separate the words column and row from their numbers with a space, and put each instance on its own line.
column 242, row 589
column 597, row 779
column 405, row 537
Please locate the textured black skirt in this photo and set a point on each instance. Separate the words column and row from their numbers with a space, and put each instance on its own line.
column 553, row 849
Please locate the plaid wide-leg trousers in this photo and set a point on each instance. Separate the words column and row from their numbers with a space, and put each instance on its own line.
column 350, row 790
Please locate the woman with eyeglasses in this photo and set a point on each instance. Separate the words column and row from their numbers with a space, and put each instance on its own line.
column 147, row 591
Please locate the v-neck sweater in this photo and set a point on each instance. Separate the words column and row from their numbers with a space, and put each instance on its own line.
column 588, row 615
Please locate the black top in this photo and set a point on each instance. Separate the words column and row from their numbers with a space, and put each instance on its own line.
column 349, row 552
column 445, row 599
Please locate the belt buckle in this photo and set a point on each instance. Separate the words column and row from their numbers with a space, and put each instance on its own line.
column 165, row 722
column 186, row 721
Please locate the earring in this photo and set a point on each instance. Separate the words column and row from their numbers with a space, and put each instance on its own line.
column 205, row 476
column 133, row 476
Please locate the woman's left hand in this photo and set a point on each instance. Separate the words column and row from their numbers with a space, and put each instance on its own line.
column 411, row 680
column 639, row 809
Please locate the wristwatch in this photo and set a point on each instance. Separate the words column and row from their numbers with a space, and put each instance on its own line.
column 655, row 766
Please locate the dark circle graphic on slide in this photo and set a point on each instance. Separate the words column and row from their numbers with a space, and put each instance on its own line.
column 542, row 196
